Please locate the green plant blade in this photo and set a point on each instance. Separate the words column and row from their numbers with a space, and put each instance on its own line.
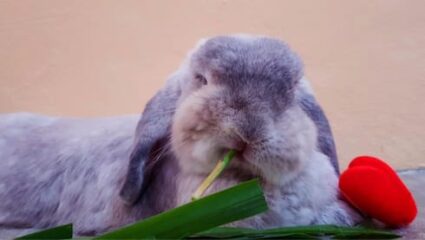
column 60, row 232
column 303, row 232
column 335, row 231
column 223, row 233
column 241, row 201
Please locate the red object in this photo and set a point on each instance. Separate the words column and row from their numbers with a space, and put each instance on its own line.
column 374, row 188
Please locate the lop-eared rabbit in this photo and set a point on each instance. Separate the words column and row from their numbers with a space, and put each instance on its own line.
column 239, row 92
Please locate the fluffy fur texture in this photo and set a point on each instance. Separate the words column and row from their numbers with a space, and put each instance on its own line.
column 241, row 92
column 55, row 171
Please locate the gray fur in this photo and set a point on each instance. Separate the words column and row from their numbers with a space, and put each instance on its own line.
column 60, row 170
column 52, row 169
column 103, row 173
column 261, row 68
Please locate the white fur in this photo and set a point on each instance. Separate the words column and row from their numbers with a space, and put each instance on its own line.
column 311, row 191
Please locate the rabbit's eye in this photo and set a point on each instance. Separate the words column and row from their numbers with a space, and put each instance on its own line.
column 201, row 79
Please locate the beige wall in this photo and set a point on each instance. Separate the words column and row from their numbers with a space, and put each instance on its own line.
column 365, row 58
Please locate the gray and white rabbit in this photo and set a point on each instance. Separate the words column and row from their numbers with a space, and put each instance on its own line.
column 240, row 92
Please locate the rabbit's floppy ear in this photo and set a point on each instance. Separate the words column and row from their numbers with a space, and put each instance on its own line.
column 153, row 127
column 314, row 111
column 153, row 132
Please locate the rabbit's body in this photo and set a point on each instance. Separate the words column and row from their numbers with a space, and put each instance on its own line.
column 240, row 93
column 57, row 170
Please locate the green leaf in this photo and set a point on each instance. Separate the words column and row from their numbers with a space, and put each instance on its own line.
column 241, row 201
column 60, row 232
column 302, row 232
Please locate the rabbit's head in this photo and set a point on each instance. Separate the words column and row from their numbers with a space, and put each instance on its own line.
column 232, row 92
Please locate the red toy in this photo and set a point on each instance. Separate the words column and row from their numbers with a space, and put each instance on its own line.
column 374, row 188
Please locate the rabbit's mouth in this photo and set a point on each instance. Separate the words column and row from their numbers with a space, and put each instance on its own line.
column 236, row 144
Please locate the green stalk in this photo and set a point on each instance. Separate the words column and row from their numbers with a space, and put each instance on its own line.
column 221, row 165
column 300, row 232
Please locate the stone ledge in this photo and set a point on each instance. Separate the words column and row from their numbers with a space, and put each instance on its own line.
column 415, row 181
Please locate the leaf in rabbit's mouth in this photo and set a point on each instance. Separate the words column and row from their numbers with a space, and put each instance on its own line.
column 221, row 165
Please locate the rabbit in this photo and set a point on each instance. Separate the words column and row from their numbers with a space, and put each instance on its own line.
column 241, row 92
column 246, row 93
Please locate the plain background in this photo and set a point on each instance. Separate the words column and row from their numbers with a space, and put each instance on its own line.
column 365, row 58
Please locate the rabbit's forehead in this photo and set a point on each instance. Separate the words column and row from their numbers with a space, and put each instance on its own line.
column 247, row 60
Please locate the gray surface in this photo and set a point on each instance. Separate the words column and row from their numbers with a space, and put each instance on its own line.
column 415, row 180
